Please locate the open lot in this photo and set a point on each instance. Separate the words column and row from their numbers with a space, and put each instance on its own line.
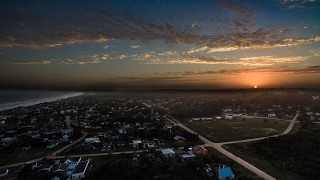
column 242, row 150
column 238, row 129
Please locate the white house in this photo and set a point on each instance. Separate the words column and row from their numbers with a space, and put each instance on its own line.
column 271, row 115
column 168, row 153
column 228, row 116
column 80, row 170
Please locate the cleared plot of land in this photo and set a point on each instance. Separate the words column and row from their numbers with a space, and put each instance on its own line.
column 238, row 129
column 241, row 150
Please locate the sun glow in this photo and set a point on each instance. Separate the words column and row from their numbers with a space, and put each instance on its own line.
column 255, row 87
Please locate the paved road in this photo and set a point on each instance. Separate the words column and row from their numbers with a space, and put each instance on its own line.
column 218, row 147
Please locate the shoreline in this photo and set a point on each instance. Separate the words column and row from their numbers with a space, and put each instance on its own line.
column 31, row 102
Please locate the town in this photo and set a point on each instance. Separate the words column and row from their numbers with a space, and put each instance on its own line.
column 71, row 138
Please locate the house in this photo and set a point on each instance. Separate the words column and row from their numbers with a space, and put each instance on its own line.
column 228, row 116
column 120, row 143
column 199, row 150
column 136, row 143
column 62, row 167
column 92, row 140
column 208, row 170
column 187, row 157
column 114, row 136
column 179, row 139
column 167, row 127
column 149, row 144
column 66, row 131
column 52, row 144
column 45, row 168
column 68, row 160
column 168, row 153
column 224, row 172
column 81, row 169
column 271, row 115
column 32, row 164
column 109, row 145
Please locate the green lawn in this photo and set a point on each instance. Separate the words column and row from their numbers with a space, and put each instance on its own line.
column 238, row 129
column 242, row 150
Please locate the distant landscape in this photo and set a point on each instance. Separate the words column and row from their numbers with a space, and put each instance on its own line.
column 129, row 130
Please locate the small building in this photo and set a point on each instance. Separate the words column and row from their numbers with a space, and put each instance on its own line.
column 52, row 144
column 81, row 169
column 187, row 157
column 136, row 143
column 179, row 139
column 224, row 173
column 228, row 116
column 168, row 153
column 271, row 115
column 68, row 160
column 199, row 150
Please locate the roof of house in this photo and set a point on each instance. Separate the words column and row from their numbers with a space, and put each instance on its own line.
column 167, row 151
column 82, row 167
column 225, row 172
column 179, row 137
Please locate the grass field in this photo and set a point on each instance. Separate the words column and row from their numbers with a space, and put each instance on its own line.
column 238, row 129
column 241, row 150
column 34, row 153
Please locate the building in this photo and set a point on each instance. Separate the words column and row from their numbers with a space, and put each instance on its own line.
column 81, row 169
column 199, row 150
column 179, row 139
column 224, row 172
column 168, row 153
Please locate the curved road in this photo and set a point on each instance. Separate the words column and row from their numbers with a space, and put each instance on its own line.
column 218, row 147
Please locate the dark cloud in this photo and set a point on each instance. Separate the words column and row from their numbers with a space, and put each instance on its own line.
column 32, row 62
column 51, row 24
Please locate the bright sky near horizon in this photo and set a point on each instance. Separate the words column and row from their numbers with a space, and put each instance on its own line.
column 160, row 44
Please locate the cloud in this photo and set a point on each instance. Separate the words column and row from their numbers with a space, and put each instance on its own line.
column 106, row 47
column 277, row 70
column 82, row 23
column 123, row 56
column 104, row 56
column 32, row 62
column 135, row 46
column 297, row 4
column 270, row 60
column 316, row 52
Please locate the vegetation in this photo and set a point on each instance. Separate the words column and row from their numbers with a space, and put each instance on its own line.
column 237, row 129
column 294, row 156
column 153, row 165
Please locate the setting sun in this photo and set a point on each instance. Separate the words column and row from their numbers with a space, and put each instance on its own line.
column 255, row 86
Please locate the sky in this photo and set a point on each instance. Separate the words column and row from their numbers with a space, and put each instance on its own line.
column 159, row 44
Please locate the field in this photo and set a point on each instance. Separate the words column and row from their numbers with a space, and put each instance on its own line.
column 238, row 129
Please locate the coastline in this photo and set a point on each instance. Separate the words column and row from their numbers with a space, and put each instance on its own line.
column 34, row 101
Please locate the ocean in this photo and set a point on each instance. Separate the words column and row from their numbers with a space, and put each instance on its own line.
column 20, row 98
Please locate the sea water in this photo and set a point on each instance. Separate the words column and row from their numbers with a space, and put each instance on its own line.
column 20, row 98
